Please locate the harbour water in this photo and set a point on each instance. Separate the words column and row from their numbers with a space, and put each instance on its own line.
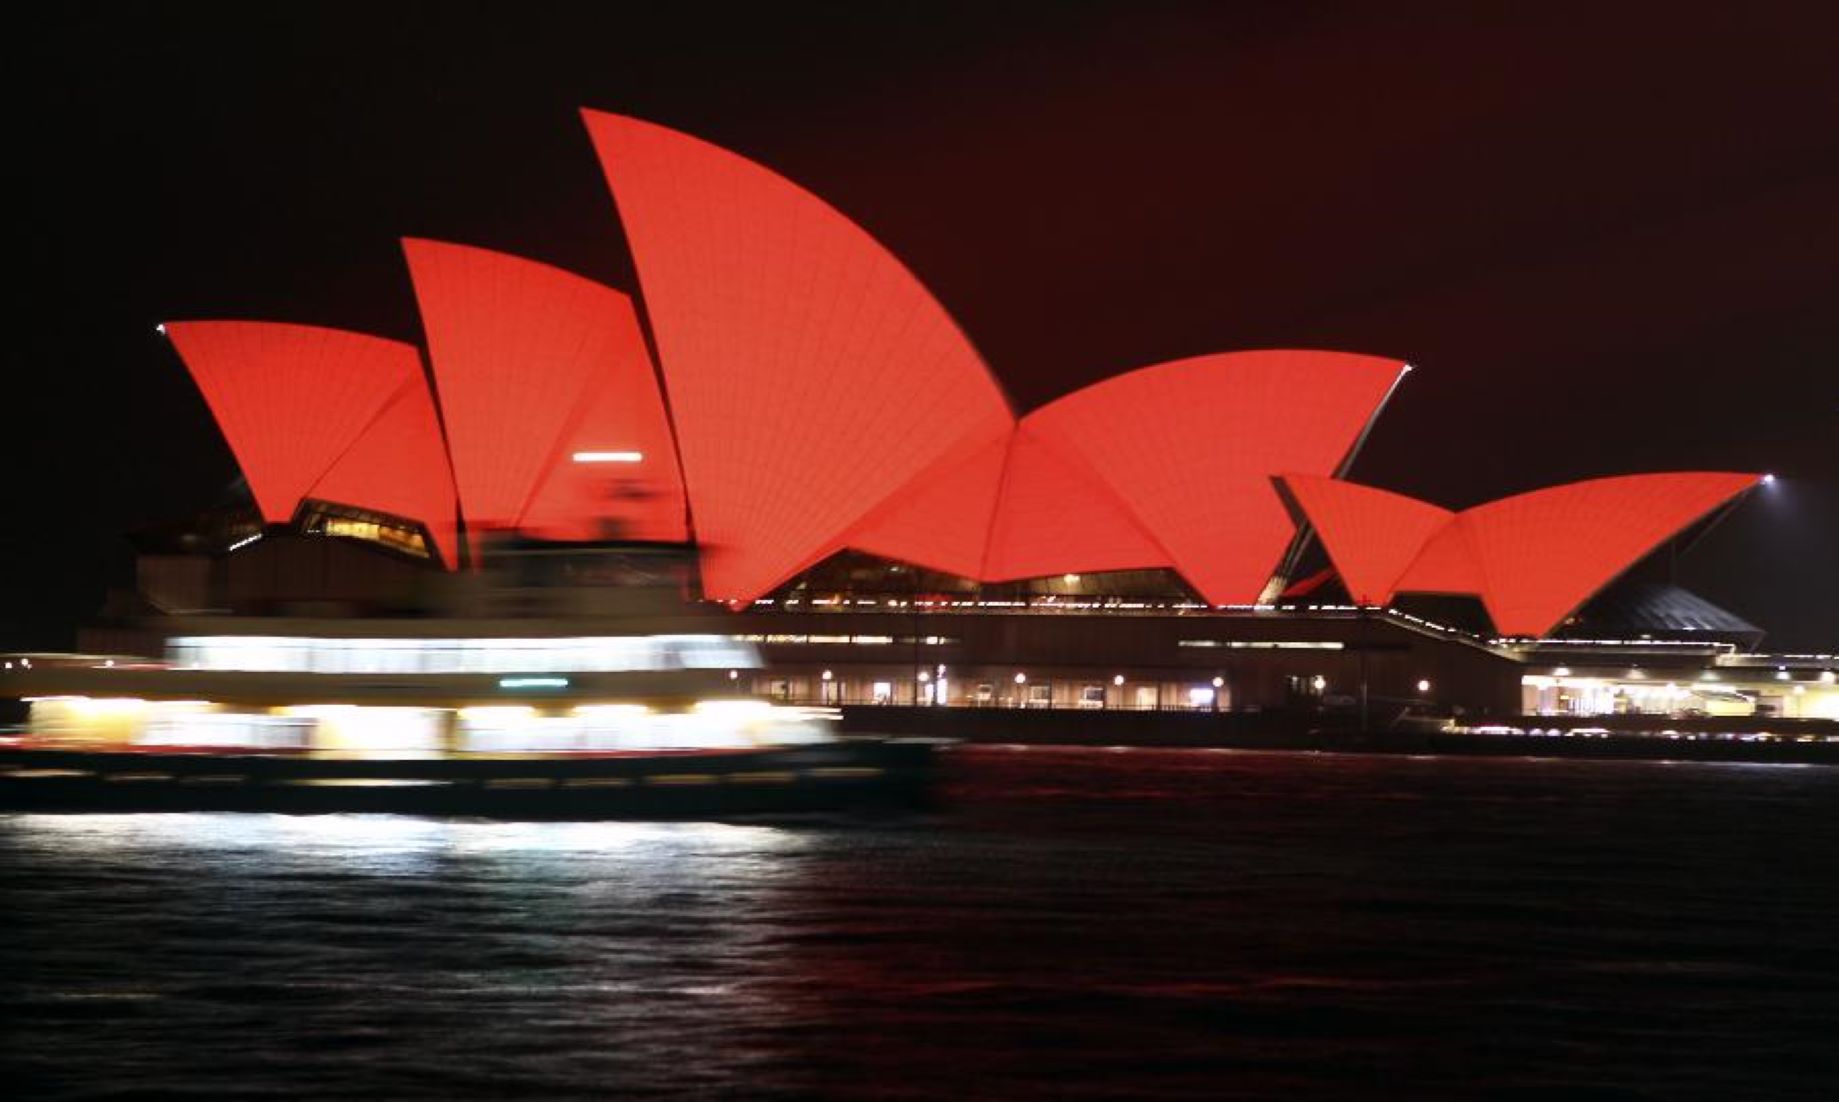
column 1069, row 923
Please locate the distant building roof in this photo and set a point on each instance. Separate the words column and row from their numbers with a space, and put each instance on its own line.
column 1633, row 609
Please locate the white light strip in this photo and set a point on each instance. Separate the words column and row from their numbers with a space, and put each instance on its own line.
column 609, row 457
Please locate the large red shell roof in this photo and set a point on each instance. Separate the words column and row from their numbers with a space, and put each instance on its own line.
column 533, row 365
column 399, row 466
column 1166, row 466
column 941, row 519
column 1190, row 447
column 1057, row 516
column 1542, row 554
column 290, row 399
column 1016, row 507
column 640, row 499
column 819, row 397
column 809, row 374
column 327, row 414
column 1532, row 559
column 1371, row 535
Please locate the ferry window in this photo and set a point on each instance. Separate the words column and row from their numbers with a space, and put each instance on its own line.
column 986, row 692
column 1041, row 695
column 1092, row 696
column 884, row 692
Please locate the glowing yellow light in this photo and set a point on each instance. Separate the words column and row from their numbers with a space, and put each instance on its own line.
column 107, row 704
column 499, row 713
column 733, row 708
column 609, row 710
column 318, row 711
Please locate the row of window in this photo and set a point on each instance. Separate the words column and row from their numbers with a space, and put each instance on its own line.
column 988, row 694
column 586, row 654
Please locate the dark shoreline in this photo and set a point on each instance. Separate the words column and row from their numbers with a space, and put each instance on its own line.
column 1786, row 742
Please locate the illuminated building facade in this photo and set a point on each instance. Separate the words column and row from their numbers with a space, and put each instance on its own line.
column 811, row 404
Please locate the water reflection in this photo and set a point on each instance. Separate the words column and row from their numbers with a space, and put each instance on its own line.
column 1082, row 922
column 206, row 831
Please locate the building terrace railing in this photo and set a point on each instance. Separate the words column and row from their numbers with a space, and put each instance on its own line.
column 1056, row 606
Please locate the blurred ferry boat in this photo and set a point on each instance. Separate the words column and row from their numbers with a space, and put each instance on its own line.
column 632, row 711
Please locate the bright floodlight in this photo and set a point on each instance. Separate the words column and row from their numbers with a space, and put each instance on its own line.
column 1768, row 480
column 608, row 457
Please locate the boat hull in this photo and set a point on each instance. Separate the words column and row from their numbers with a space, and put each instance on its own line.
column 847, row 776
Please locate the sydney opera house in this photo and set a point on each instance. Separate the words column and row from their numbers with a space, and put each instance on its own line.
column 783, row 403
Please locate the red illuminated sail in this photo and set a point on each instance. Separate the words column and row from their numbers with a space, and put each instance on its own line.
column 1544, row 553
column 290, row 398
column 1371, row 535
column 399, row 466
column 1447, row 563
column 810, row 375
column 1016, row 507
column 941, row 519
column 1190, row 448
column 615, row 475
column 536, row 365
column 1055, row 516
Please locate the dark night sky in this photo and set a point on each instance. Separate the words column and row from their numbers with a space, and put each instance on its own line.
column 1609, row 242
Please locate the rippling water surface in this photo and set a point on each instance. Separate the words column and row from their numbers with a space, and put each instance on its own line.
column 1072, row 923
